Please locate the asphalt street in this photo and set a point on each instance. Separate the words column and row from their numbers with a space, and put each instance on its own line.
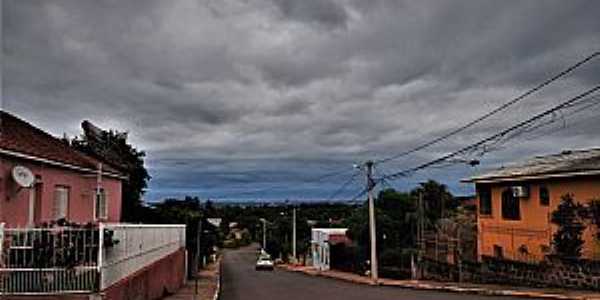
column 241, row 281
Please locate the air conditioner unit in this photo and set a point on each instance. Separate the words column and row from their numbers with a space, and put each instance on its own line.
column 520, row 191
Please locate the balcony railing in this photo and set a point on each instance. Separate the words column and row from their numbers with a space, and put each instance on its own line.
column 62, row 260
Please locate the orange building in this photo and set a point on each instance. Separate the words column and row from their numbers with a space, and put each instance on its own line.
column 515, row 203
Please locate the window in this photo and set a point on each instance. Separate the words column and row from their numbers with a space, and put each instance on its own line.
column 498, row 252
column 485, row 200
column 61, row 202
column 511, row 209
column 101, row 205
column 544, row 196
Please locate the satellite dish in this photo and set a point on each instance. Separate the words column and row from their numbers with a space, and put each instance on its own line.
column 23, row 176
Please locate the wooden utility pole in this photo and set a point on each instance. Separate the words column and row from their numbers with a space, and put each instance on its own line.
column 264, row 237
column 294, row 235
column 420, row 233
column 372, row 226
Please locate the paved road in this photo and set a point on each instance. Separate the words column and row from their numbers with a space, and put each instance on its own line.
column 241, row 282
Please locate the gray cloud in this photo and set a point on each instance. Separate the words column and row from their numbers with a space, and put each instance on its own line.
column 328, row 13
column 293, row 88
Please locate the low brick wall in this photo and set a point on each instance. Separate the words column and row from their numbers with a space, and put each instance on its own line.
column 58, row 297
column 153, row 282
column 580, row 274
column 551, row 273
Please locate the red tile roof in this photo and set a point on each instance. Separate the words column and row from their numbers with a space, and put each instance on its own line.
column 18, row 136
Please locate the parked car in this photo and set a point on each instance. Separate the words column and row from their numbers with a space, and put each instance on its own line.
column 264, row 262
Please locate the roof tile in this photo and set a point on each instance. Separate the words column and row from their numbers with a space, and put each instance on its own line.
column 18, row 136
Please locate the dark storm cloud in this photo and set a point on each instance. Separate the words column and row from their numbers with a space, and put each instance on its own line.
column 329, row 13
column 234, row 95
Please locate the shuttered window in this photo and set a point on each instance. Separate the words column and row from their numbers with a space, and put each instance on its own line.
column 101, row 204
column 61, row 202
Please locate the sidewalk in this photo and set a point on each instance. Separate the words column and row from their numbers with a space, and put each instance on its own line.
column 468, row 288
column 207, row 288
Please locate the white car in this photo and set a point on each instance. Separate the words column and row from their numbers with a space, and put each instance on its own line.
column 264, row 262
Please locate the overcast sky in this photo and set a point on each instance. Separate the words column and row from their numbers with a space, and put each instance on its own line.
column 254, row 99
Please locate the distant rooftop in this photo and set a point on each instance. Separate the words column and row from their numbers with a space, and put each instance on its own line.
column 331, row 230
column 565, row 164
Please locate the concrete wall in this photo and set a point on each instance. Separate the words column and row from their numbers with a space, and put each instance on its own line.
column 534, row 230
column 163, row 277
column 321, row 241
column 152, row 282
column 14, row 203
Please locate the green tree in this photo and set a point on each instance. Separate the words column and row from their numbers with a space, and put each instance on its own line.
column 567, row 239
column 112, row 147
column 394, row 213
column 437, row 200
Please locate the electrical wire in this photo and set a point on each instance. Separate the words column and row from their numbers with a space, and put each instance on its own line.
column 274, row 188
column 343, row 186
column 501, row 134
column 494, row 111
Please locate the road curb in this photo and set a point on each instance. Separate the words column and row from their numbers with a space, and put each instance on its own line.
column 217, row 294
column 446, row 288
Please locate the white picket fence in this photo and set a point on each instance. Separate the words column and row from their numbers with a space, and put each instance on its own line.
column 61, row 260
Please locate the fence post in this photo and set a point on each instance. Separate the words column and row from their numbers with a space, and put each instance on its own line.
column 1, row 244
column 100, row 254
column 459, row 256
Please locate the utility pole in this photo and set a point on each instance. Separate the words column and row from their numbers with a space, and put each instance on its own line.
column 420, row 234
column 264, row 243
column 372, row 226
column 197, row 256
column 294, row 234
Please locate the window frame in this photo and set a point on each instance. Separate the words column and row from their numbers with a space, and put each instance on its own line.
column 498, row 251
column 100, row 214
column 546, row 200
column 63, row 211
column 487, row 191
column 510, row 213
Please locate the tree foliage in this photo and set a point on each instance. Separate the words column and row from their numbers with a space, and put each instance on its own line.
column 567, row 239
column 112, row 147
column 437, row 200
column 396, row 219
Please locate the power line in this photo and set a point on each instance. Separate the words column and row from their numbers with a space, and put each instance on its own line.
column 501, row 134
column 359, row 194
column 546, row 125
column 343, row 186
column 274, row 188
column 493, row 112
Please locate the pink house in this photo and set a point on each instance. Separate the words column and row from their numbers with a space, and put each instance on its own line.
column 67, row 184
